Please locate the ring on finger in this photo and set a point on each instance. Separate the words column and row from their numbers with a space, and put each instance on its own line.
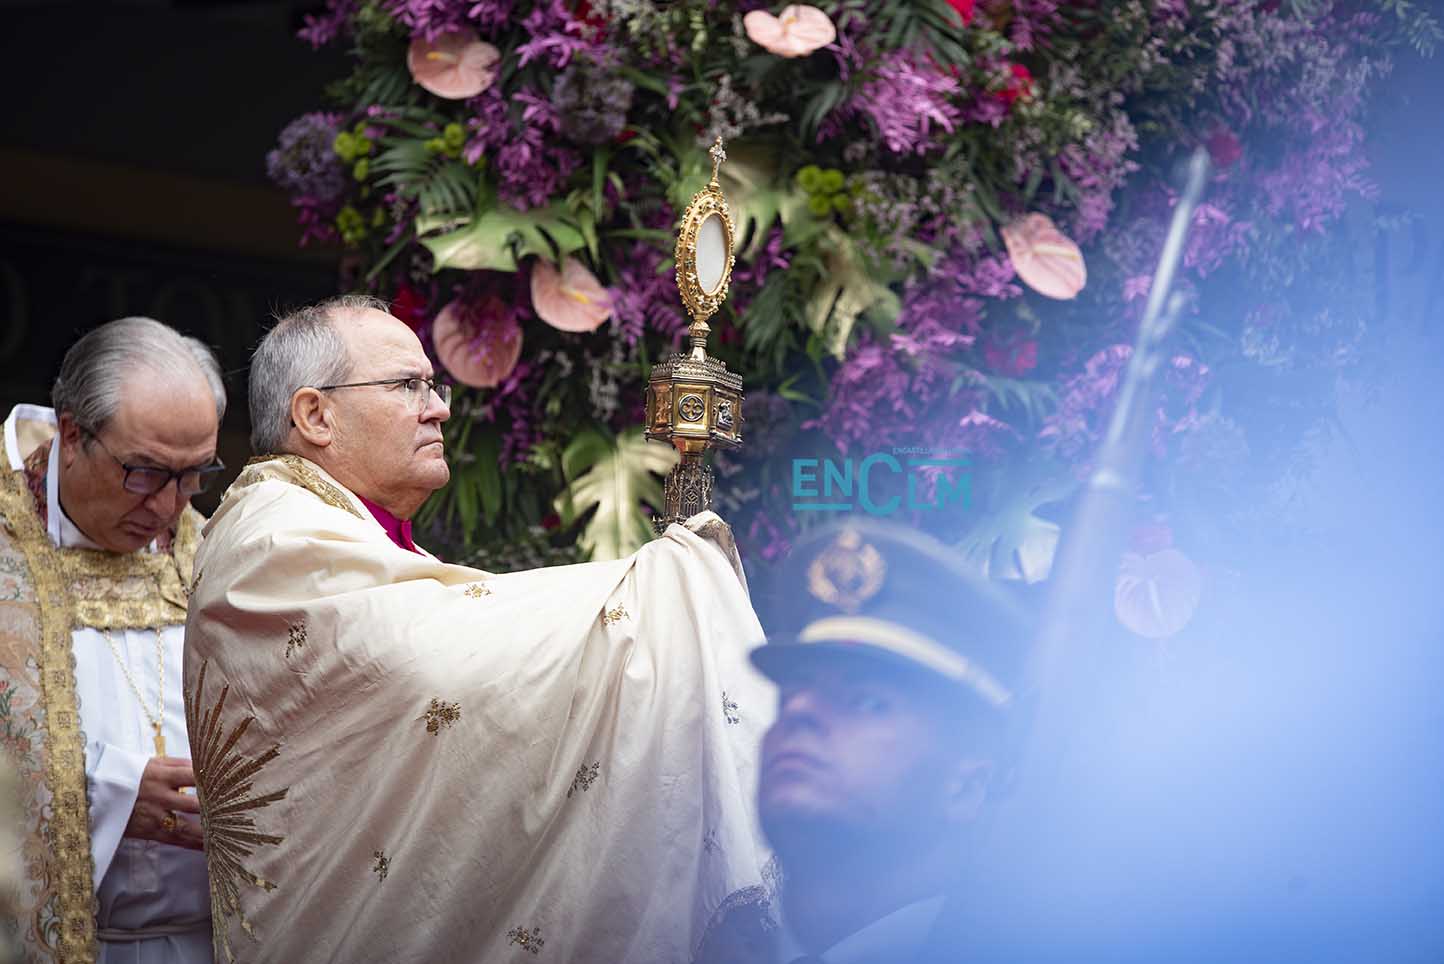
column 168, row 822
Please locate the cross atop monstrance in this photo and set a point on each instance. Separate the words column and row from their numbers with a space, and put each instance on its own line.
column 693, row 401
column 718, row 156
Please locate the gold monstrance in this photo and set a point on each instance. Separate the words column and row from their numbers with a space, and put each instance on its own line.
column 693, row 401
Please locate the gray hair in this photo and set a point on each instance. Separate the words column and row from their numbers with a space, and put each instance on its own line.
column 303, row 350
column 98, row 365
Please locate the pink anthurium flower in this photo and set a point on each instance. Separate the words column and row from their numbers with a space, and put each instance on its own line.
column 797, row 31
column 570, row 300
column 456, row 65
column 1046, row 259
column 479, row 346
column 1156, row 594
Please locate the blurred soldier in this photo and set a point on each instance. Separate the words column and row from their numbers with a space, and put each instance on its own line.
column 897, row 683
column 96, row 542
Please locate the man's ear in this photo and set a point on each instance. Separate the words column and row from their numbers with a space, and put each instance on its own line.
column 311, row 417
column 967, row 789
column 72, row 439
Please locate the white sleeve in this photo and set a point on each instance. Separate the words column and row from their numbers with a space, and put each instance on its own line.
column 112, row 779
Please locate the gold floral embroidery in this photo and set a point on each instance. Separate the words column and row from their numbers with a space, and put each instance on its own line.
column 729, row 709
column 440, row 715
column 305, row 476
column 382, row 866
column 476, row 590
column 297, row 638
column 586, row 776
column 138, row 590
column 526, row 939
column 614, row 615
column 224, row 781
column 65, row 915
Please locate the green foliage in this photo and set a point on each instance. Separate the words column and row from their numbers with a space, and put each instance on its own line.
column 614, row 476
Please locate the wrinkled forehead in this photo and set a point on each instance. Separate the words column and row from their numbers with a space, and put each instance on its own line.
column 381, row 346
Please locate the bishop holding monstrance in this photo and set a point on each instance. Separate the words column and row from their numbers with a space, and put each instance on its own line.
column 401, row 760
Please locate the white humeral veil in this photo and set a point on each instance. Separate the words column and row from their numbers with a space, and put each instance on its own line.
column 404, row 760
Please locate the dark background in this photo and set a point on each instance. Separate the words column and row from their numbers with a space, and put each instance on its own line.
column 132, row 180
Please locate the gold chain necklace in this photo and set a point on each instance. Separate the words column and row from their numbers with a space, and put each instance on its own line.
column 159, row 718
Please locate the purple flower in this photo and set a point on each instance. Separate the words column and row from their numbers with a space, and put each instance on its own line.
column 908, row 101
column 592, row 102
column 432, row 18
column 556, row 37
column 322, row 28
column 303, row 163
column 644, row 298
column 529, row 170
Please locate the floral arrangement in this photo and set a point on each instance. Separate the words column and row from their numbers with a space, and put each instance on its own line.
column 948, row 213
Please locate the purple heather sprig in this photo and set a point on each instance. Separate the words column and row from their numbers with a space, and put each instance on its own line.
column 910, row 102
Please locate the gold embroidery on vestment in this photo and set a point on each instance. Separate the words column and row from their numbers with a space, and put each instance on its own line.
column 137, row 590
column 382, row 866
column 440, row 715
column 586, row 776
column 614, row 615
column 224, row 781
column 69, row 875
column 297, row 638
column 305, row 477
column 476, row 590
column 526, row 939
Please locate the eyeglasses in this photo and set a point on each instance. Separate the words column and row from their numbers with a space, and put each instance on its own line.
column 148, row 479
column 416, row 390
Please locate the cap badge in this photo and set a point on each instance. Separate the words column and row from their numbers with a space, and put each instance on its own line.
column 847, row 573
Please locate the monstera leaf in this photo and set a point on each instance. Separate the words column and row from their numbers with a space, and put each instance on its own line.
column 848, row 287
column 616, row 476
column 1014, row 542
column 498, row 238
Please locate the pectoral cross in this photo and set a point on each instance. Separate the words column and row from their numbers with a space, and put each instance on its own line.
column 159, row 740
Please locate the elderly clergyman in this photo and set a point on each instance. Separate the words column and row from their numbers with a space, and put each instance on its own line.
column 404, row 760
column 96, row 542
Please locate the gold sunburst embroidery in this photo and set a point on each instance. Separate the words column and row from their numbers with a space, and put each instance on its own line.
column 614, row 615
column 476, row 590
column 224, row 781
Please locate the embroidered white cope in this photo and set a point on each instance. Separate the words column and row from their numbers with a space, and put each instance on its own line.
column 448, row 765
column 139, row 884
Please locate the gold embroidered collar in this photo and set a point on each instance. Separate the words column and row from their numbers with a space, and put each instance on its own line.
column 299, row 472
column 108, row 590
